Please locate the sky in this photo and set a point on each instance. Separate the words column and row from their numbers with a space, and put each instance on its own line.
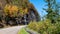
column 39, row 5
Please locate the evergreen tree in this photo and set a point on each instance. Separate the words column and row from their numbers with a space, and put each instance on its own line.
column 52, row 10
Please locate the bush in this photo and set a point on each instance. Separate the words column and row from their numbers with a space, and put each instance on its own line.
column 45, row 27
column 33, row 25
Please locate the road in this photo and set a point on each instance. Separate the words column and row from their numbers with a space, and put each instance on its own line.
column 11, row 30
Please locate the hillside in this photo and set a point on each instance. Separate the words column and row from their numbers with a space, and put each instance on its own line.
column 14, row 12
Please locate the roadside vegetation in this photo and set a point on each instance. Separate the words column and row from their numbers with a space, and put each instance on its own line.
column 45, row 27
column 23, row 31
column 50, row 23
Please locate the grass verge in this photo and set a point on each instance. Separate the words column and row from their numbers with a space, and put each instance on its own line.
column 23, row 31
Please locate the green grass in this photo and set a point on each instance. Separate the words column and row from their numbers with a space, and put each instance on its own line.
column 22, row 31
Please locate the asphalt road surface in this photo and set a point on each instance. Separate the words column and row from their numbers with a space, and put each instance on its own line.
column 11, row 30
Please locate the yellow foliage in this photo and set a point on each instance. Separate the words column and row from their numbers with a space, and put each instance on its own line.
column 26, row 10
column 14, row 8
column 11, row 9
column 44, row 32
column 33, row 25
column 23, row 11
column 47, row 22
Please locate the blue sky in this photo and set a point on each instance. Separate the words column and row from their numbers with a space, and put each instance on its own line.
column 39, row 4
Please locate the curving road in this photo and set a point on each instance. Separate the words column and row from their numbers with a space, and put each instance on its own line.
column 11, row 30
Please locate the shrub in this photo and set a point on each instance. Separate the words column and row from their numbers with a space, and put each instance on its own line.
column 33, row 25
column 45, row 27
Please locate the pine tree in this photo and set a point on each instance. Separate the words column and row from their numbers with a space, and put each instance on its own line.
column 52, row 10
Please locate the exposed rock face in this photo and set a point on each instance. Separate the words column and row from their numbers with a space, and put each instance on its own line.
column 32, row 14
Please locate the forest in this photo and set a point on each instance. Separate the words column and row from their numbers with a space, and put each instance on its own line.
column 12, row 12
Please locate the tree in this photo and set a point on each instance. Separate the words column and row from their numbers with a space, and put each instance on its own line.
column 52, row 10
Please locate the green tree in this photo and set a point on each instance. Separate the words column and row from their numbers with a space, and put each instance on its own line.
column 52, row 10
